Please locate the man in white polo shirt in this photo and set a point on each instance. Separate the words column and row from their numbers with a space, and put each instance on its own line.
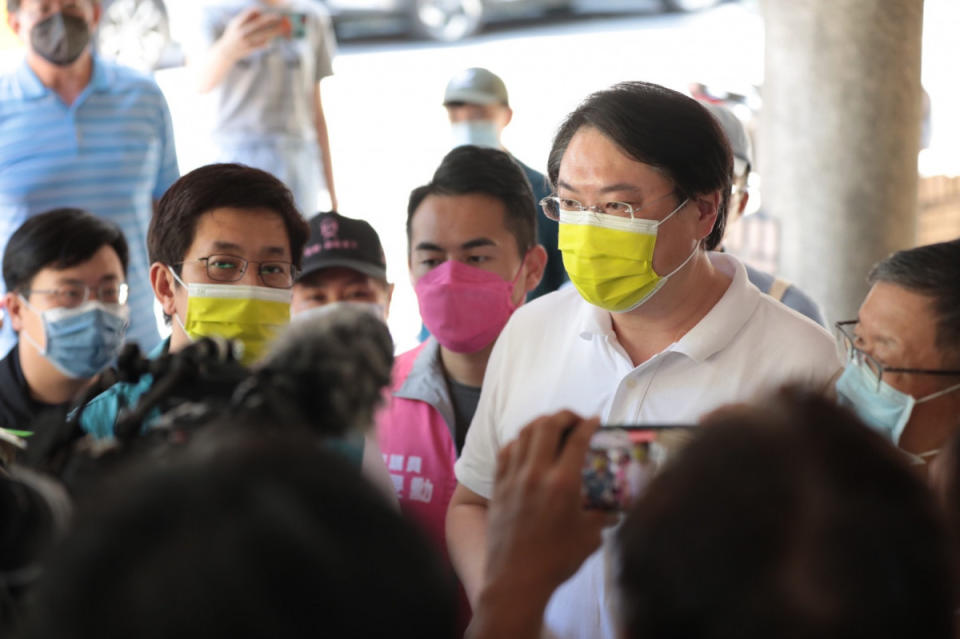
column 656, row 329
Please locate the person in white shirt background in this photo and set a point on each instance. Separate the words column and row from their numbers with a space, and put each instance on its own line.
column 656, row 329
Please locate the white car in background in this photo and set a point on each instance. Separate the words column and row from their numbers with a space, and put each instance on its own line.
column 138, row 32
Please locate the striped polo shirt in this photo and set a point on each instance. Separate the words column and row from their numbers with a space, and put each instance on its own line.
column 111, row 152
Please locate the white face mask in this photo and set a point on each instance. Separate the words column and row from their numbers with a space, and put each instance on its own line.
column 477, row 132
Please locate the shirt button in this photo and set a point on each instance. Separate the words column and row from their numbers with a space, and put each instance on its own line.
column 631, row 383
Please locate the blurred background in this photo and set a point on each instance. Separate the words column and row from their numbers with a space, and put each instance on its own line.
column 388, row 129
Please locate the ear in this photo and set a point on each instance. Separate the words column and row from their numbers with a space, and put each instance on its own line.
column 506, row 116
column 164, row 287
column 13, row 21
column 744, row 198
column 97, row 13
column 15, row 308
column 535, row 263
column 386, row 311
column 708, row 207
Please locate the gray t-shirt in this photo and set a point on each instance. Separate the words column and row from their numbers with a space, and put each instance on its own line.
column 270, row 92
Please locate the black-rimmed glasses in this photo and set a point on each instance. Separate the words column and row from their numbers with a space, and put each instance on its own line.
column 231, row 268
column 848, row 349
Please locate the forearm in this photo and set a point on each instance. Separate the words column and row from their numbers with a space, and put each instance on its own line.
column 323, row 142
column 506, row 609
column 467, row 545
column 211, row 69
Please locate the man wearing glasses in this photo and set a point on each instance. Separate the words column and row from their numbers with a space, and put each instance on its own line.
column 65, row 275
column 902, row 374
column 225, row 246
column 657, row 327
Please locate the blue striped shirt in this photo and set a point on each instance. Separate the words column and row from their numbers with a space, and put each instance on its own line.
column 111, row 152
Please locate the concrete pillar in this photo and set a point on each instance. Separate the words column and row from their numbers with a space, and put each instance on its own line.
column 839, row 137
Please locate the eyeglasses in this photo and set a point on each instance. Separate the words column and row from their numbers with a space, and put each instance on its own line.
column 230, row 268
column 846, row 346
column 553, row 204
column 73, row 295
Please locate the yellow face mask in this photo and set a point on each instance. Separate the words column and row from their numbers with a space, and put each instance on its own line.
column 251, row 315
column 610, row 259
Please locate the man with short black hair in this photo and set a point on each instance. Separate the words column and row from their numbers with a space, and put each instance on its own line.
column 343, row 263
column 473, row 257
column 226, row 242
column 478, row 107
column 65, row 275
column 903, row 350
column 657, row 328
column 79, row 131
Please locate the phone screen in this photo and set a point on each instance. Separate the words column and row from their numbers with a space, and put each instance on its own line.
column 622, row 460
column 298, row 25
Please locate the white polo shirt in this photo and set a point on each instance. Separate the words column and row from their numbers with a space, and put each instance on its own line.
column 560, row 352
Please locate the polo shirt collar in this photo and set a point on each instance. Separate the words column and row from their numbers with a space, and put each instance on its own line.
column 32, row 88
column 712, row 333
column 30, row 85
column 727, row 317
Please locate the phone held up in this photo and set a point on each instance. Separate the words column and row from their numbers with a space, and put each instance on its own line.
column 295, row 25
column 621, row 461
column 298, row 25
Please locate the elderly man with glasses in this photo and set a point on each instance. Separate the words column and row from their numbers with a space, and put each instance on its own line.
column 225, row 246
column 902, row 375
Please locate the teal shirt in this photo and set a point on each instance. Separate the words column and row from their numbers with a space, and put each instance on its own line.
column 100, row 415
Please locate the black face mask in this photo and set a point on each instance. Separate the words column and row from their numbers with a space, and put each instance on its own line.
column 60, row 38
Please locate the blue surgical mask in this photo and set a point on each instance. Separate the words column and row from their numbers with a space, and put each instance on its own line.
column 477, row 132
column 886, row 410
column 81, row 341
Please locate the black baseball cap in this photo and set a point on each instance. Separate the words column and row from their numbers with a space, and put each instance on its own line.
column 336, row 240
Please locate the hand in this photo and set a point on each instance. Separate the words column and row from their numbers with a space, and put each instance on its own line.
column 538, row 531
column 251, row 31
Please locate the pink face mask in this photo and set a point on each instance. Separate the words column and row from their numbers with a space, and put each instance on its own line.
column 463, row 306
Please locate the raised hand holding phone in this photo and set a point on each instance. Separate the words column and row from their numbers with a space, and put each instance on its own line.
column 250, row 31
column 538, row 531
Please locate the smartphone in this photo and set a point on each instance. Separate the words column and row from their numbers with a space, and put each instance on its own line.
column 297, row 22
column 621, row 461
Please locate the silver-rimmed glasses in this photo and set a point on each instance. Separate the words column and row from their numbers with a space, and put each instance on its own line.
column 553, row 204
column 847, row 347
column 73, row 295
column 231, row 268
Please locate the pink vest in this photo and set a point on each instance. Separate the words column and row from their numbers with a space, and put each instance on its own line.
column 414, row 431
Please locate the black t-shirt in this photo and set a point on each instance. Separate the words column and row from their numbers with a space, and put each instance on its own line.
column 465, row 400
column 17, row 408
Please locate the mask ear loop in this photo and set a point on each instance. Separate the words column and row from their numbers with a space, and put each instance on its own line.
column 516, row 276
column 175, row 316
column 674, row 211
column 25, row 335
column 941, row 393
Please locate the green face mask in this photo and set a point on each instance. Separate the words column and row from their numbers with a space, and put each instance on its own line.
column 251, row 315
column 610, row 259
